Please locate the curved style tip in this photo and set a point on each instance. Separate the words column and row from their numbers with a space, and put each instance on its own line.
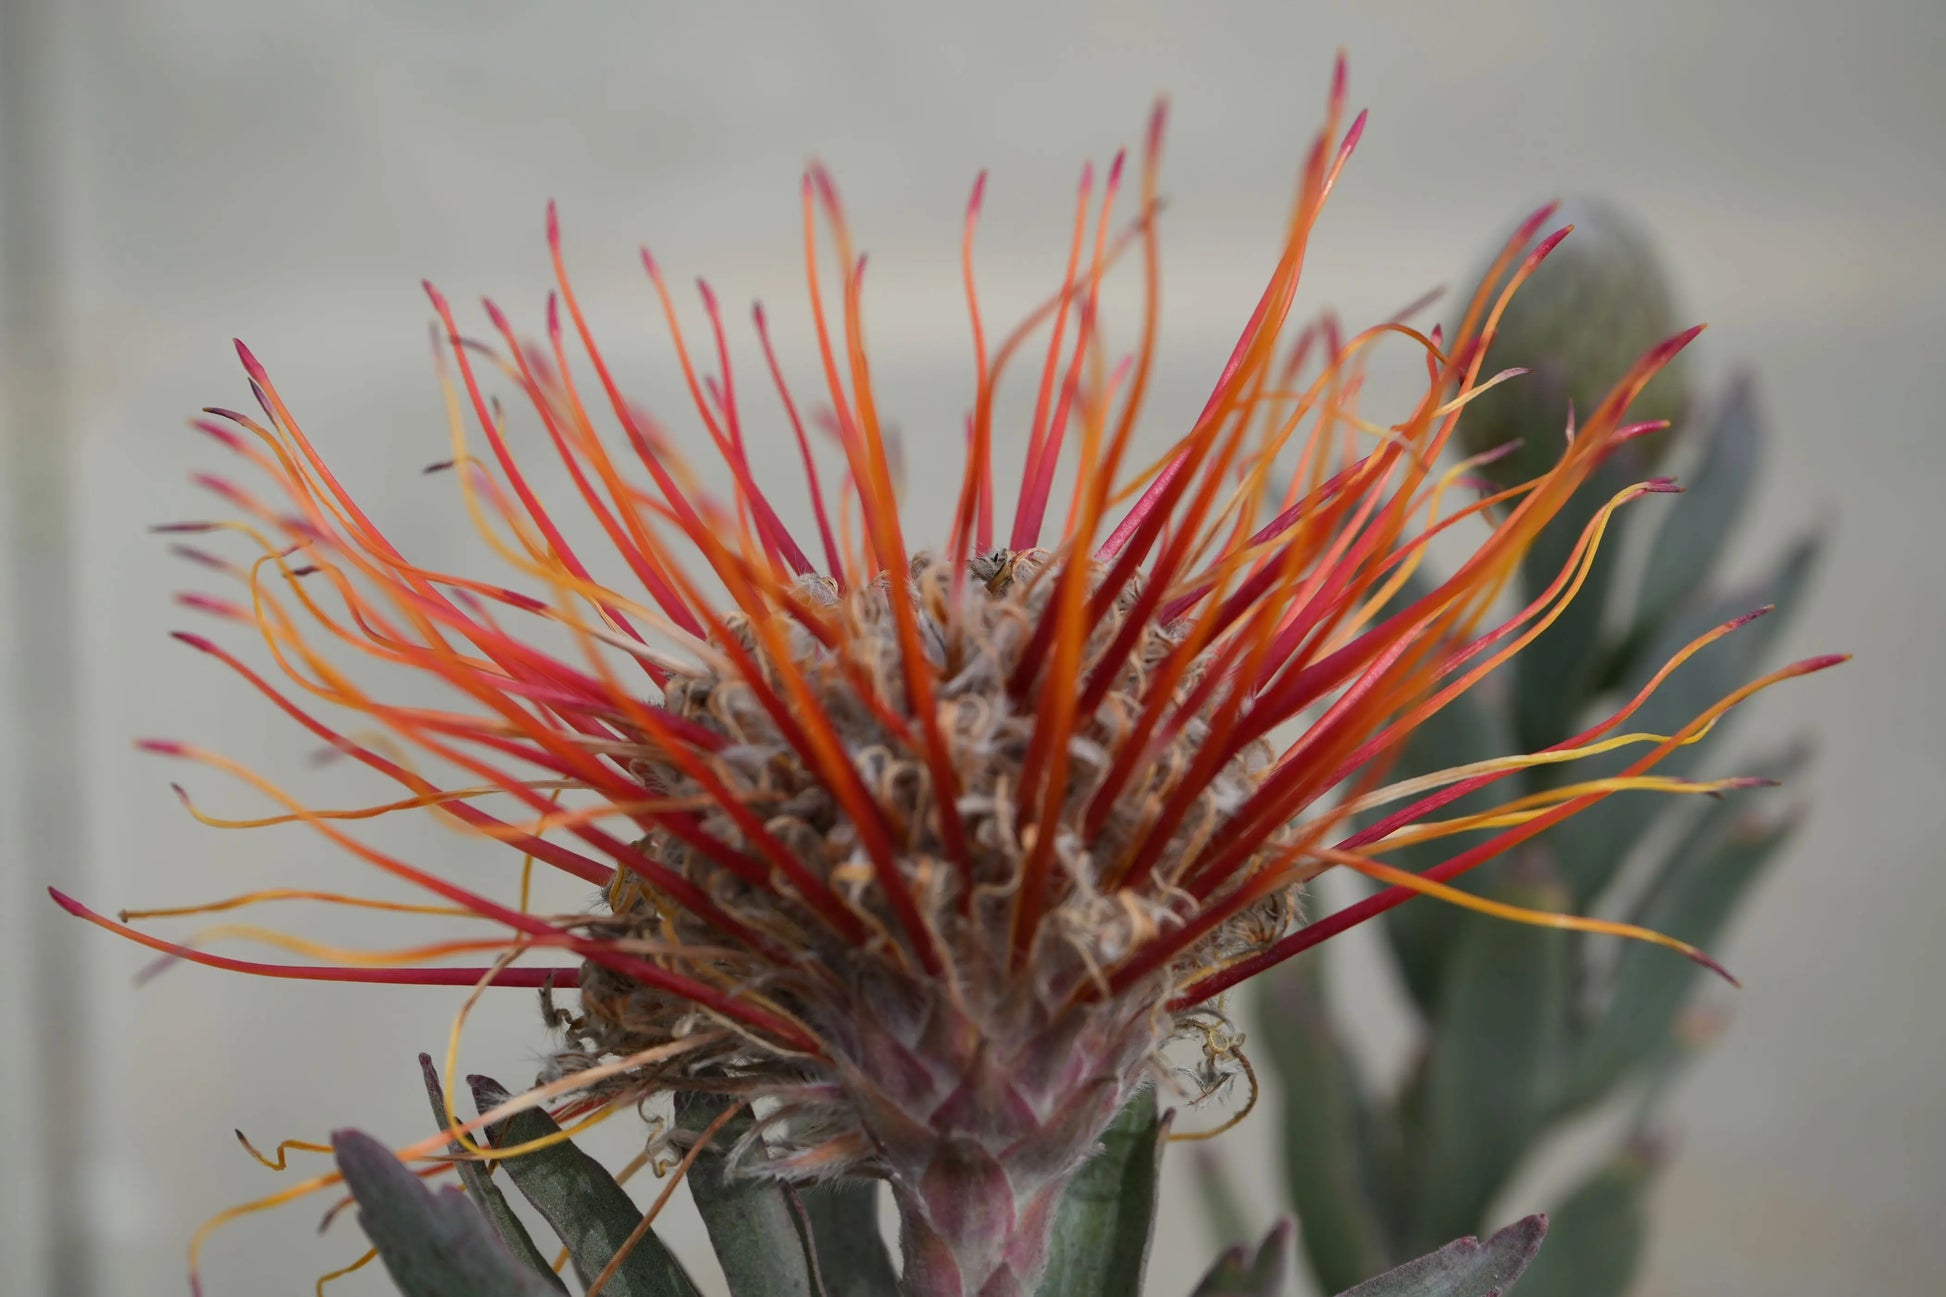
column 251, row 364
column 163, row 747
column 1714, row 967
column 1546, row 246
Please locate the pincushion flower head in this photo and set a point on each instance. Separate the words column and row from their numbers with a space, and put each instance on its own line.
column 921, row 831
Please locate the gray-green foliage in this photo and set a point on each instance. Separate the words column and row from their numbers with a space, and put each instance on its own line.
column 772, row 1241
column 1522, row 1028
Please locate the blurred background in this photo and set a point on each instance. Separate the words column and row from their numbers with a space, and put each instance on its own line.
column 176, row 173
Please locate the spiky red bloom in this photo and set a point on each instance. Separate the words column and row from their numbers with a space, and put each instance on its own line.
column 930, row 849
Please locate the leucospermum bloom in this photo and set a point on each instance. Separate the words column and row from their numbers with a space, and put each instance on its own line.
column 922, row 836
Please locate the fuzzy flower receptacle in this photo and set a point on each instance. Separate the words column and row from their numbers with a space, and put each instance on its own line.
column 923, row 834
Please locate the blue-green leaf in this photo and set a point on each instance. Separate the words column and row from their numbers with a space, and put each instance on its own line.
column 1493, row 1061
column 1100, row 1246
column 757, row 1237
column 433, row 1244
column 589, row 1211
column 1692, row 898
column 1465, row 1268
column 1470, row 728
column 852, row 1260
column 1592, row 844
column 1594, row 1242
column 1328, row 1134
column 1697, row 525
column 485, row 1193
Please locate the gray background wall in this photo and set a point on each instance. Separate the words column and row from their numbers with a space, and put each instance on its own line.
column 176, row 173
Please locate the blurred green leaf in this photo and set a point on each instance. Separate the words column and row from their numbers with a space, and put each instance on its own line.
column 1224, row 1215
column 1556, row 674
column 1242, row 1273
column 1493, row 1060
column 752, row 1227
column 1592, row 844
column 1470, row 728
column 1594, row 1243
column 1100, row 1246
column 852, row 1260
column 1697, row 525
column 433, row 1244
column 484, row 1192
column 1327, row 1131
column 589, row 1211
column 1464, row 1268
column 1694, row 894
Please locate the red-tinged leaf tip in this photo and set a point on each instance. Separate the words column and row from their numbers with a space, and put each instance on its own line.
column 250, row 363
column 68, row 903
column 162, row 747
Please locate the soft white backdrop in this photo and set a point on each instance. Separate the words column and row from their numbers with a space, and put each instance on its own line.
column 177, row 173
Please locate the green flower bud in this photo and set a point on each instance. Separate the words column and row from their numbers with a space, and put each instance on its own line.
column 1591, row 310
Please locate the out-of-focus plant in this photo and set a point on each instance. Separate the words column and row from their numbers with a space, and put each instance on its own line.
column 1521, row 1030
